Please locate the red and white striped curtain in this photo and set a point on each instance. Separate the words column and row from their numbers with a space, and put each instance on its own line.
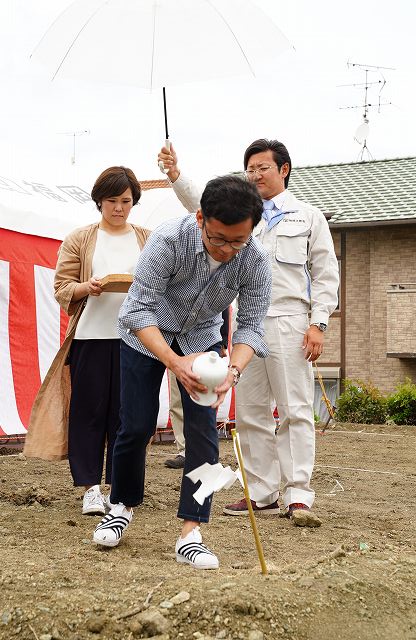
column 32, row 327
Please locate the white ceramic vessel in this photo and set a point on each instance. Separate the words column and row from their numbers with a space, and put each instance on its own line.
column 212, row 371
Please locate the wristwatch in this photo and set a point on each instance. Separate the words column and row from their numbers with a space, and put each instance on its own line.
column 321, row 325
column 236, row 374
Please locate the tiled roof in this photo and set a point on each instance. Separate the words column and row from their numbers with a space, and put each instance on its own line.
column 154, row 184
column 361, row 192
column 377, row 191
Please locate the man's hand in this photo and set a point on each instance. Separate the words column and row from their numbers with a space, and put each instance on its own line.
column 182, row 369
column 170, row 162
column 222, row 389
column 240, row 357
column 313, row 342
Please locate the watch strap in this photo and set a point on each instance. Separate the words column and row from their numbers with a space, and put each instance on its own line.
column 236, row 373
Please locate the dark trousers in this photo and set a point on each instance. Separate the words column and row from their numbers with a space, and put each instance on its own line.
column 94, row 408
column 141, row 378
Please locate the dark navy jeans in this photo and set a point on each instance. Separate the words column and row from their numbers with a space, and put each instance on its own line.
column 141, row 378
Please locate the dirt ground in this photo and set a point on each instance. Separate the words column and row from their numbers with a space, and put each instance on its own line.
column 352, row 578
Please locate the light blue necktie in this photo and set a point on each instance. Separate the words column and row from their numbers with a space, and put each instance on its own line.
column 271, row 214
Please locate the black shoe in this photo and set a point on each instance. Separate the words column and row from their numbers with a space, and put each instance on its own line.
column 175, row 463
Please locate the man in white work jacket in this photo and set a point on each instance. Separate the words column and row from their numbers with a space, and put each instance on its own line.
column 304, row 281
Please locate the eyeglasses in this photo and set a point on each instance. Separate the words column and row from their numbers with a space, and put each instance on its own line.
column 250, row 173
column 220, row 242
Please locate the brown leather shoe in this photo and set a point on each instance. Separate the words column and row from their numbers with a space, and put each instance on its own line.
column 294, row 507
column 301, row 515
column 241, row 509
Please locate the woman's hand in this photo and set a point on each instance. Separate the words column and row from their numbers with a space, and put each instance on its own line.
column 90, row 288
column 94, row 287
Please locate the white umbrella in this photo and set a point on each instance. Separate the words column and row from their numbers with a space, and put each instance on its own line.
column 154, row 43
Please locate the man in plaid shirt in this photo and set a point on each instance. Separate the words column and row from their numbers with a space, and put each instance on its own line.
column 190, row 270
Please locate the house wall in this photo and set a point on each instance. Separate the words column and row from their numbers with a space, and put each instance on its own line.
column 401, row 314
column 374, row 259
column 357, row 305
column 393, row 259
column 332, row 346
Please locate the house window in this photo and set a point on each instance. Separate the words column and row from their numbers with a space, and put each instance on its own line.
column 331, row 386
column 331, row 381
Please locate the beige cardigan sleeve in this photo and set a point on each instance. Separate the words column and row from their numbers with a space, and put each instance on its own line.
column 68, row 272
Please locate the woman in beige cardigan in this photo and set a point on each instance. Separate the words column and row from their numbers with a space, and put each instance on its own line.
column 76, row 412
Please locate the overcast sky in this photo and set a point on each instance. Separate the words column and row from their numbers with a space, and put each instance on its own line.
column 211, row 123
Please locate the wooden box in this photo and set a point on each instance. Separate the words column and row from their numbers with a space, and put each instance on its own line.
column 117, row 282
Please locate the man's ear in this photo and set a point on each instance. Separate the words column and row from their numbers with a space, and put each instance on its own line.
column 199, row 218
column 284, row 169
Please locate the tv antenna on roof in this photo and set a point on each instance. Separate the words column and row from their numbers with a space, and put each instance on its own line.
column 74, row 135
column 363, row 130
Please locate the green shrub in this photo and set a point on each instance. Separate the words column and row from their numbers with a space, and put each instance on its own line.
column 401, row 405
column 361, row 402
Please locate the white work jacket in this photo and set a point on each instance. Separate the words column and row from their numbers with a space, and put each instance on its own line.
column 304, row 265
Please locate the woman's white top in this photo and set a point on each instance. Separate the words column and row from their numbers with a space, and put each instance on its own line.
column 113, row 254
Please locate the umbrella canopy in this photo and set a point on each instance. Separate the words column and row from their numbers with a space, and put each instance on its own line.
column 154, row 43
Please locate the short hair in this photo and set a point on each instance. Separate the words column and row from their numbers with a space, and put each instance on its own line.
column 231, row 199
column 280, row 153
column 113, row 182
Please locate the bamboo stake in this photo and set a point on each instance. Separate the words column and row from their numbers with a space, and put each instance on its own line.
column 324, row 397
column 253, row 522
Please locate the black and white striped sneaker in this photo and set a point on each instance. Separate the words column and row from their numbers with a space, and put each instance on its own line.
column 110, row 529
column 190, row 550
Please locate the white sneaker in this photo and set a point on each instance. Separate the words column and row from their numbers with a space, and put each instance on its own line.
column 109, row 530
column 93, row 502
column 190, row 550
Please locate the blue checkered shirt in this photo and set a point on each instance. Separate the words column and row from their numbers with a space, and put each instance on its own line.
column 172, row 289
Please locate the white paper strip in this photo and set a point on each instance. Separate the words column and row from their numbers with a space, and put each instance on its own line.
column 213, row 477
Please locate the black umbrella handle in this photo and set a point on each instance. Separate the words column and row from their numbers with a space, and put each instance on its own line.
column 165, row 114
column 167, row 141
